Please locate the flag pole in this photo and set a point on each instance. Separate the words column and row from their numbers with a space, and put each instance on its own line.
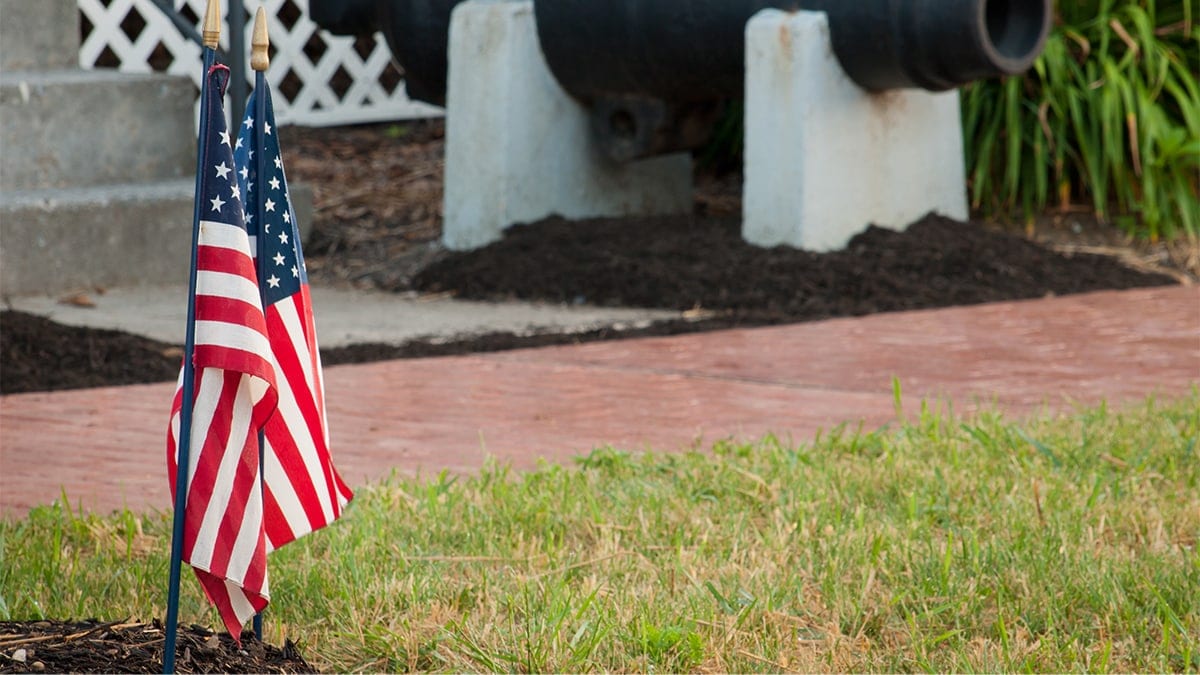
column 212, row 38
column 260, row 60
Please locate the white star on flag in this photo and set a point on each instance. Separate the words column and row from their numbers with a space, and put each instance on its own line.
column 295, row 272
column 224, row 138
column 217, row 203
column 283, row 237
column 278, row 162
column 275, row 183
column 287, row 217
column 237, row 192
column 273, row 281
column 269, row 205
column 278, row 258
column 222, row 170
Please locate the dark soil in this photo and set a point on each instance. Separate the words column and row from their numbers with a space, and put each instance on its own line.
column 703, row 264
column 686, row 263
column 37, row 354
column 377, row 192
column 131, row 647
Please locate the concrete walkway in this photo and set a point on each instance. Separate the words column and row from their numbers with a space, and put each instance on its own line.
column 344, row 316
column 105, row 447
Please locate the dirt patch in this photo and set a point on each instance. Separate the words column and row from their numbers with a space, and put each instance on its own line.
column 37, row 354
column 132, row 647
column 688, row 263
column 378, row 191
column 702, row 264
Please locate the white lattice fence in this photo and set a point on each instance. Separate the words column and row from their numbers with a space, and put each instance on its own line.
column 319, row 79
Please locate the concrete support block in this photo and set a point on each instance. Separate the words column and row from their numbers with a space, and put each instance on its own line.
column 39, row 34
column 824, row 158
column 519, row 149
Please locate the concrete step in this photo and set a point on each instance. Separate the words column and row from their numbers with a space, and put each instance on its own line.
column 96, row 127
column 39, row 34
column 56, row 240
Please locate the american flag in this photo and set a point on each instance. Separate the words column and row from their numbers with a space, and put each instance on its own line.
column 303, row 490
column 235, row 390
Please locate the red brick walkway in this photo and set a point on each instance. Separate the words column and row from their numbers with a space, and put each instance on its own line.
column 105, row 447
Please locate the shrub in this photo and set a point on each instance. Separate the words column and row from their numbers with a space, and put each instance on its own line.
column 1110, row 112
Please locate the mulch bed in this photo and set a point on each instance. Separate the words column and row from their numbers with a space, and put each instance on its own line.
column 131, row 647
column 703, row 263
column 378, row 191
column 684, row 263
column 37, row 354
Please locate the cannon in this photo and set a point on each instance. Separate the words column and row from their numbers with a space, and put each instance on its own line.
column 588, row 108
column 655, row 73
column 651, row 70
column 417, row 32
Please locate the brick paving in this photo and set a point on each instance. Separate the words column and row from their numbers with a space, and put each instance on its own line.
column 105, row 447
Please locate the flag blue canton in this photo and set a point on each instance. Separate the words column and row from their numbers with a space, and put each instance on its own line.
column 222, row 194
column 283, row 266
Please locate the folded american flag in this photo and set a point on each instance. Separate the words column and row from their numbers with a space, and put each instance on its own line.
column 235, row 390
column 303, row 490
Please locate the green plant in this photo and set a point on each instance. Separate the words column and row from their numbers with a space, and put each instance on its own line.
column 1110, row 111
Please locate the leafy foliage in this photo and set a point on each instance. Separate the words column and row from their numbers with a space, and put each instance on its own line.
column 1110, row 112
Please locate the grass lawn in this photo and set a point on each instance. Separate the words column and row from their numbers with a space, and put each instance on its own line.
column 1060, row 543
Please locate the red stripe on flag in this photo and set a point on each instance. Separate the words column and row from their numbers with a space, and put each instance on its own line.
column 224, row 358
column 203, row 483
column 242, row 487
column 227, row 310
column 275, row 522
column 282, row 438
column 228, row 261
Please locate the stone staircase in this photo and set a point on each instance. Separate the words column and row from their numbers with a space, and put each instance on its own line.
column 97, row 167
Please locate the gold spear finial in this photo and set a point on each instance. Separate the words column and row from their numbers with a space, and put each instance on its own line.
column 212, row 24
column 260, row 56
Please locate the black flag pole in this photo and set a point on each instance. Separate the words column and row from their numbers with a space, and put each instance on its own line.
column 212, row 38
column 260, row 60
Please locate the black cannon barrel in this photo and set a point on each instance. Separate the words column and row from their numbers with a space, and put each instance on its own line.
column 650, row 70
column 656, row 73
column 417, row 32
column 694, row 50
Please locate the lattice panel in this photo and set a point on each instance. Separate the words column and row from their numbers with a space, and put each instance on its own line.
column 318, row 79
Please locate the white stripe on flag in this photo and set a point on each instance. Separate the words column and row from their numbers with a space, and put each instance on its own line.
column 225, row 285
column 224, row 235
column 208, row 397
column 239, row 601
column 289, row 315
column 288, row 501
column 231, row 457
column 297, row 427
column 246, row 541
column 231, row 336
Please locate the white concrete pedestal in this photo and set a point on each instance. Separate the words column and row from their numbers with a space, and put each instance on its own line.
column 824, row 158
column 519, row 149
